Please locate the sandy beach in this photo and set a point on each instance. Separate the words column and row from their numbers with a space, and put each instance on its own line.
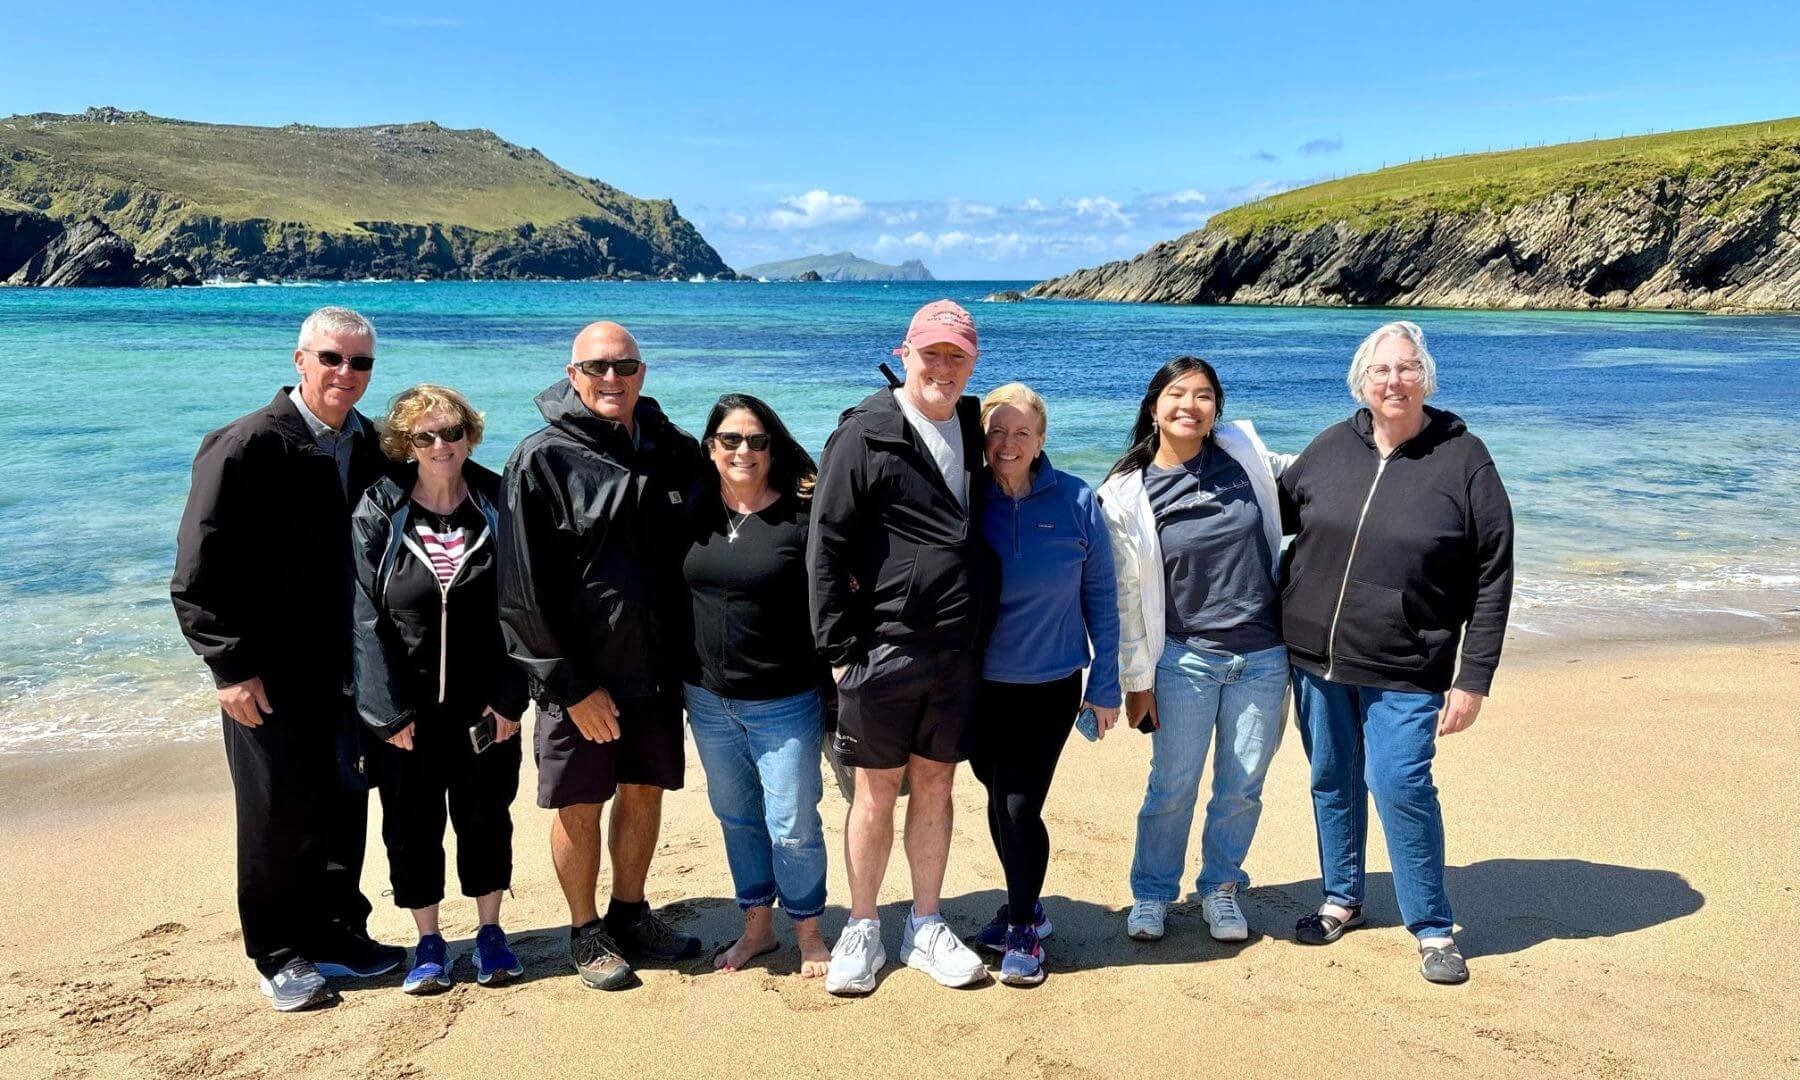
column 1623, row 839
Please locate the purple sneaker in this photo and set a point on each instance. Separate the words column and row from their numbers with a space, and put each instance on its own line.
column 495, row 963
column 1023, row 964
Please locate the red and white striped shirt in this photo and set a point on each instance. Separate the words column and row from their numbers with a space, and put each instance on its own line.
column 445, row 550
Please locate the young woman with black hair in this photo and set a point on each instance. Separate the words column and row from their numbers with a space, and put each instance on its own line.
column 1195, row 518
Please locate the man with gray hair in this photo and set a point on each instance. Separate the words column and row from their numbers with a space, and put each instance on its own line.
column 262, row 588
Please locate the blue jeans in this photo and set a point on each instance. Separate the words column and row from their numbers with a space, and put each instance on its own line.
column 1201, row 697
column 1363, row 741
column 762, row 777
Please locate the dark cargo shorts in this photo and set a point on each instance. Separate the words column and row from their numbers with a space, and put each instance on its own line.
column 900, row 701
column 574, row 770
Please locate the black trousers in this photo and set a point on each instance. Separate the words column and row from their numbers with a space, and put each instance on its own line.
column 300, row 833
column 442, row 779
column 1020, row 729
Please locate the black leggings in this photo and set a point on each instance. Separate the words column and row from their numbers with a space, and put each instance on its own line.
column 443, row 773
column 1020, row 729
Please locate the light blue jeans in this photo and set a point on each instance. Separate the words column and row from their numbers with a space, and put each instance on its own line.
column 1364, row 741
column 762, row 777
column 1202, row 698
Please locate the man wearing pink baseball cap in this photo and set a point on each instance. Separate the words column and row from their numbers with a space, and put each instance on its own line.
column 903, row 589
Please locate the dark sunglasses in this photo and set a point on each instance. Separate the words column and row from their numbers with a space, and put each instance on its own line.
column 731, row 440
column 596, row 368
column 452, row 434
column 359, row 362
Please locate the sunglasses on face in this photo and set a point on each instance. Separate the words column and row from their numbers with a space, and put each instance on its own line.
column 359, row 362
column 596, row 368
column 452, row 434
column 731, row 440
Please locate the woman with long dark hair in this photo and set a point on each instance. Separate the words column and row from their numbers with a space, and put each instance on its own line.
column 1195, row 517
column 753, row 685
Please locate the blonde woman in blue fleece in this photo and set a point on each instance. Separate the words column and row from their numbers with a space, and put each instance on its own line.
column 1057, row 595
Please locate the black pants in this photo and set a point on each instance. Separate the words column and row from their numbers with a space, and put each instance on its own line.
column 300, row 834
column 1020, row 729
column 443, row 772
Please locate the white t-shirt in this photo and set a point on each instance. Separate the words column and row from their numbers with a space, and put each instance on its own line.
column 943, row 438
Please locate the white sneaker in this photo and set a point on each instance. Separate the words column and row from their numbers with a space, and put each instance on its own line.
column 931, row 946
column 855, row 958
column 1145, row 923
column 1223, row 916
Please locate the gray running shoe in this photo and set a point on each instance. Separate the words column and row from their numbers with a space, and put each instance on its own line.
column 596, row 957
column 298, row 985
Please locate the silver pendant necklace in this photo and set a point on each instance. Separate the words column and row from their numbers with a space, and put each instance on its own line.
column 732, row 527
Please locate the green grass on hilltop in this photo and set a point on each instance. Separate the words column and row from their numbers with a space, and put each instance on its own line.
column 1499, row 181
column 326, row 178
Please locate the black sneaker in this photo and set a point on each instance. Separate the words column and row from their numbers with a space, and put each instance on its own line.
column 298, row 985
column 353, row 955
column 648, row 938
column 597, row 958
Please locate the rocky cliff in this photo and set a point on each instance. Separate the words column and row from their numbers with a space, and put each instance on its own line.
column 304, row 202
column 1694, row 220
column 38, row 250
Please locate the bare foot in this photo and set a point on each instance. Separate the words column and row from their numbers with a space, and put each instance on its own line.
column 814, row 956
column 758, row 939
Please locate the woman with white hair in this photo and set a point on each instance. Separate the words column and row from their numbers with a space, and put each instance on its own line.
column 1403, row 546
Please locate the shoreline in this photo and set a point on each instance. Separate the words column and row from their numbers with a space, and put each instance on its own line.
column 1607, row 878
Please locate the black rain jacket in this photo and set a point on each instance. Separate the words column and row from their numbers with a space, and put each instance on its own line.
column 892, row 556
column 591, row 535
column 449, row 656
column 263, row 578
column 1392, row 562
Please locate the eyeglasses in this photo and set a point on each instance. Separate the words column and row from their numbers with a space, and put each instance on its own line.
column 1404, row 373
column 731, row 440
column 596, row 368
column 451, row 435
column 359, row 362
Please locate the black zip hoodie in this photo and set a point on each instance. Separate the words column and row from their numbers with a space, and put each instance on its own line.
column 439, row 657
column 1393, row 560
column 893, row 556
column 591, row 593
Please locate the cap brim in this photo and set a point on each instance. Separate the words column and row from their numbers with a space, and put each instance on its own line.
column 935, row 336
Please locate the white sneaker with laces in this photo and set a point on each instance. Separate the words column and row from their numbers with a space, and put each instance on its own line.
column 931, row 946
column 1145, row 923
column 1223, row 916
column 855, row 958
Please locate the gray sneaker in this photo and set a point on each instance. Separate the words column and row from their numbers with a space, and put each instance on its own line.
column 298, row 985
column 597, row 958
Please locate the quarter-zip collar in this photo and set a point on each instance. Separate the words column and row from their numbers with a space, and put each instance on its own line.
column 1043, row 478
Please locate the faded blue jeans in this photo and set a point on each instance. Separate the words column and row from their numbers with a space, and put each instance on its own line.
column 1365, row 741
column 1203, row 699
column 762, row 777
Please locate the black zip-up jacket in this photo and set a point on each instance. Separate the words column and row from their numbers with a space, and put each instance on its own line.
column 884, row 519
column 1392, row 561
column 591, row 540
column 445, row 655
column 262, row 578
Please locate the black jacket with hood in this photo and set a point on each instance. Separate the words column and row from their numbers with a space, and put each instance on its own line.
column 262, row 580
column 590, row 549
column 446, row 655
column 1394, row 559
column 893, row 557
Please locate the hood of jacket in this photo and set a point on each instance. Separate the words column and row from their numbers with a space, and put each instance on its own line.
column 1440, row 425
column 563, row 409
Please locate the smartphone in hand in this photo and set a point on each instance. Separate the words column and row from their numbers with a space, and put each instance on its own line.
column 481, row 733
column 1088, row 723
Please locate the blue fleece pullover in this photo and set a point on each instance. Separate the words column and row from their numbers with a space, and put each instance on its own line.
column 1057, row 591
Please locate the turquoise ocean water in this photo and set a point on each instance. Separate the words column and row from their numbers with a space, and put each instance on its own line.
column 1651, row 458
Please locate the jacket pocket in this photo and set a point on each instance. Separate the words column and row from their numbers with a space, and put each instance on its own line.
column 1306, row 605
column 1374, row 626
column 938, row 589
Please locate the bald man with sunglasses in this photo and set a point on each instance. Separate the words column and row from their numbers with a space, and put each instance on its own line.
column 594, row 608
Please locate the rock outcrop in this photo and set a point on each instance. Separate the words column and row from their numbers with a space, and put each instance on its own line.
column 1720, row 240
column 86, row 253
column 840, row 266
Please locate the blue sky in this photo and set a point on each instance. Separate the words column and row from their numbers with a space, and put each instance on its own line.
column 992, row 141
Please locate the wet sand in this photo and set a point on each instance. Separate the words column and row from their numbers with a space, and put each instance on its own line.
column 1623, row 839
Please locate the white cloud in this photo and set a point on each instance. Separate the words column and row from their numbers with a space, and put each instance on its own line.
column 816, row 208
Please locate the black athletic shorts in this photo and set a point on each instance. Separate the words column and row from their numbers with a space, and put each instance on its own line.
column 900, row 701
column 573, row 770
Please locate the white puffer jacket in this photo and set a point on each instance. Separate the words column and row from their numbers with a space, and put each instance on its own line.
column 1137, row 553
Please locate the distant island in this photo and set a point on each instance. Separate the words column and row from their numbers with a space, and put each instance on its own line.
column 112, row 197
column 1703, row 220
column 843, row 266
